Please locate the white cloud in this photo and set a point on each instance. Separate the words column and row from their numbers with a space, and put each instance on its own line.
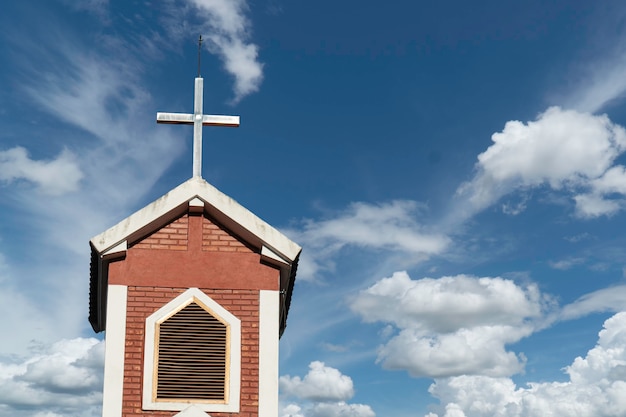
column 97, row 7
column 324, row 391
column 476, row 351
column 322, row 383
column 228, row 33
column 448, row 303
column 55, row 176
column 337, row 409
column 452, row 325
column 341, row 409
column 516, row 208
column 23, row 319
column 596, row 387
column 563, row 149
column 598, row 78
column 71, row 366
column 603, row 83
column 578, row 238
column 612, row 181
column 611, row 299
column 65, row 378
column 594, row 205
column 561, row 145
column 291, row 410
column 390, row 226
column 567, row 263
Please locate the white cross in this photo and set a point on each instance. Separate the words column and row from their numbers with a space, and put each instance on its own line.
column 198, row 120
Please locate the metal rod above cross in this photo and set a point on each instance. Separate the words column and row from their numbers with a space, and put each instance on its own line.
column 197, row 119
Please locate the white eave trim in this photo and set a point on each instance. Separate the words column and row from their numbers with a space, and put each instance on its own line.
column 272, row 257
column 192, row 192
column 116, row 251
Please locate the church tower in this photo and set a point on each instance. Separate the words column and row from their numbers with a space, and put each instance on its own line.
column 193, row 291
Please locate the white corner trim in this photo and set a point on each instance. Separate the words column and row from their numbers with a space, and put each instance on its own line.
column 115, row 338
column 234, row 389
column 268, row 353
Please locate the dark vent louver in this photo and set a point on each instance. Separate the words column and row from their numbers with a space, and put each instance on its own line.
column 192, row 356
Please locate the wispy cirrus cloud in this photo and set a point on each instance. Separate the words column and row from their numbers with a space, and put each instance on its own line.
column 567, row 263
column 598, row 79
column 392, row 226
column 84, row 180
column 610, row 299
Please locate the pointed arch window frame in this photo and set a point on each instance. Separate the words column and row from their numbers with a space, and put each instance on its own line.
column 233, row 388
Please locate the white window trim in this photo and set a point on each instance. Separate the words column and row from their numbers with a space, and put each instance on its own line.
column 234, row 388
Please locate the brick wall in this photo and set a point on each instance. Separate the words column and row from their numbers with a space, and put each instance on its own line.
column 217, row 239
column 143, row 301
column 174, row 236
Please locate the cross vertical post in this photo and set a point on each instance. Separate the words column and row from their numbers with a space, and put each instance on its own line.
column 198, row 120
column 197, row 127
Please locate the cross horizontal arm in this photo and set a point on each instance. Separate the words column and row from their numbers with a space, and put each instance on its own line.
column 176, row 118
column 207, row 119
column 219, row 120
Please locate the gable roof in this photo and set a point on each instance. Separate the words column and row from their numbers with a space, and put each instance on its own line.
column 193, row 195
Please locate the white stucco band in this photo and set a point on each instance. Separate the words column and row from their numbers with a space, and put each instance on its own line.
column 115, row 339
column 268, row 353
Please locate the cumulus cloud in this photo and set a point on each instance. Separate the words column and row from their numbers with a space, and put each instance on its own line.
column 322, row 383
column 339, row 409
column 228, row 31
column 325, row 391
column 63, row 377
column 452, row 325
column 54, row 177
column 389, row 226
column 565, row 150
column 596, row 387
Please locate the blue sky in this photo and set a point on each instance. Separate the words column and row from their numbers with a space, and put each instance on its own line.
column 454, row 171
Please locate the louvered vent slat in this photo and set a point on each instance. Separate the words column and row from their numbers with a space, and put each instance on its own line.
column 192, row 356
